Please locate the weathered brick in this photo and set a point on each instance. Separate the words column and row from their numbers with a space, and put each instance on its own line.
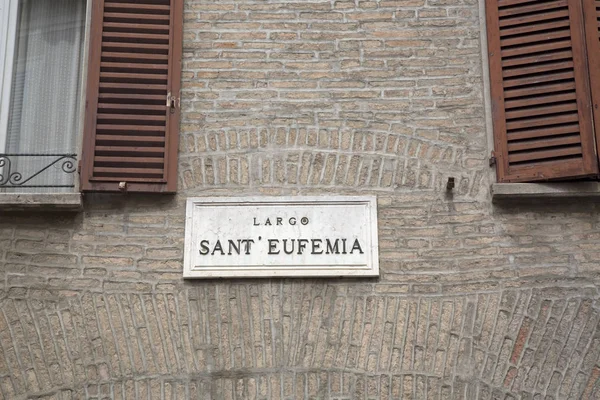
column 475, row 300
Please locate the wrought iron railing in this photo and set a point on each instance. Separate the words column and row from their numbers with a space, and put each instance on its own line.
column 10, row 177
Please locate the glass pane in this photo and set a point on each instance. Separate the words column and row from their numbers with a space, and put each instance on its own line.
column 43, row 122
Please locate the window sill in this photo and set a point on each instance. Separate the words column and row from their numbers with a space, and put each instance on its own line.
column 563, row 190
column 41, row 201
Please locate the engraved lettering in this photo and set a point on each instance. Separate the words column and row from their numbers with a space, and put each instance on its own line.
column 233, row 246
column 285, row 249
column 332, row 248
column 204, row 250
column 248, row 243
column 290, row 246
column 218, row 247
column 316, row 246
column 273, row 246
column 356, row 246
column 302, row 245
column 278, row 221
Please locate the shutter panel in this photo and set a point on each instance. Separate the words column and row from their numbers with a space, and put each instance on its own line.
column 591, row 11
column 540, row 91
column 131, row 127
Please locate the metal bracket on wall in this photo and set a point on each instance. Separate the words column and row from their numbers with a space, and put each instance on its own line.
column 492, row 159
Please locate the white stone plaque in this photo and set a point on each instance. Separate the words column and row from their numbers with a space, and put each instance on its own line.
column 281, row 236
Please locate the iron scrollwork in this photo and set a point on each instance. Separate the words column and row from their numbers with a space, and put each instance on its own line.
column 9, row 178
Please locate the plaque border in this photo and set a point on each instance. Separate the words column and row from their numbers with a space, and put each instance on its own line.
column 370, row 202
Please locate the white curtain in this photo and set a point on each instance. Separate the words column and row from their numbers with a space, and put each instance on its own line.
column 44, row 106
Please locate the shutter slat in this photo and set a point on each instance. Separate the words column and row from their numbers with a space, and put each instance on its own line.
column 547, row 26
column 139, row 47
column 538, row 58
column 547, row 99
column 533, row 7
column 124, row 27
column 120, row 16
column 542, row 121
column 122, row 98
column 541, row 89
column 548, row 110
column 135, row 66
column 544, row 132
column 135, row 37
column 137, row 171
column 130, row 160
column 132, row 87
column 135, row 180
column 538, row 79
column 131, row 117
column 506, row 3
column 136, row 7
column 534, row 38
column 136, row 139
column 544, row 154
column 130, row 150
column 135, row 56
column 535, row 69
column 543, row 26
column 144, row 107
column 130, row 128
column 534, row 18
column 542, row 143
column 537, row 48
column 131, row 76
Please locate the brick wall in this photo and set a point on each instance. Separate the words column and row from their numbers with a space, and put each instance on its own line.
column 475, row 301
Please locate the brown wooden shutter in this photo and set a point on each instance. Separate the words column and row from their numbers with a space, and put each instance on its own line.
column 591, row 10
column 540, row 91
column 132, row 106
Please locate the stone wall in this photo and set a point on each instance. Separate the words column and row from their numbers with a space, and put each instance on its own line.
column 475, row 300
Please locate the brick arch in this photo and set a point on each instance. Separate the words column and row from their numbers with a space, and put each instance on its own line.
column 312, row 168
column 244, row 340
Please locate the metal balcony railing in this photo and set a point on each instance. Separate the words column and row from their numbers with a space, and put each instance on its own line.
column 37, row 170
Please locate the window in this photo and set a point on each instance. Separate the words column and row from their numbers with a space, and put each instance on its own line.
column 130, row 134
column 545, row 88
column 40, row 69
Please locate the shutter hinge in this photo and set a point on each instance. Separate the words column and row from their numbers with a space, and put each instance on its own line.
column 492, row 159
column 173, row 102
column 79, row 167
